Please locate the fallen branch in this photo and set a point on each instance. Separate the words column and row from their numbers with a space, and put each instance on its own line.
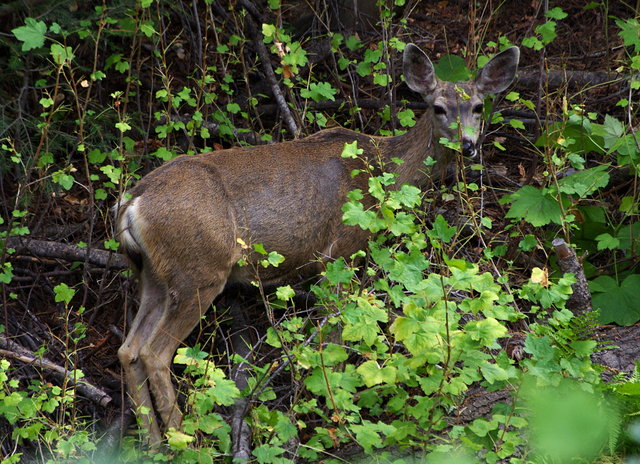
column 558, row 78
column 58, row 250
column 12, row 350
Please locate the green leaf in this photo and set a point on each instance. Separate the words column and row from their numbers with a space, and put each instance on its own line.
column 351, row 150
column 354, row 214
column 556, row 13
column 285, row 293
column 482, row 427
column 111, row 244
column 269, row 454
column 485, row 331
column 223, row 391
column 452, row 68
column 63, row 293
column 494, row 373
column 319, row 92
column 64, row 179
column 381, row 79
column 547, row 31
column 628, row 205
column 528, row 243
column 259, row 248
column 408, row 196
column 123, row 126
column 533, row 205
column 517, row 124
column 629, row 237
column 6, row 273
column 275, row 259
column 46, row 102
column 611, row 130
column 583, row 183
column 164, row 154
column 607, row 242
column 368, row 434
column 179, row 440
column 407, row 118
column 147, row 29
column 532, row 42
column 353, row 42
column 112, row 172
column 584, row 348
column 338, row 272
column 61, row 55
column 233, row 108
column 441, row 230
column 630, row 33
column 96, row 156
column 373, row 374
column 617, row 304
column 540, row 348
column 333, row 354
column 31, row 34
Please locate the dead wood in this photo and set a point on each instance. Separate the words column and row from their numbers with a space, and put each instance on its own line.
column 265, row 60
column 240, row 430
column 58, row 250
column 580, row 301
column 558, row 78
column 12, row 350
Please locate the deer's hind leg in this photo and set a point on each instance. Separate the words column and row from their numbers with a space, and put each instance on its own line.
column 181, row 316
column 153, row 298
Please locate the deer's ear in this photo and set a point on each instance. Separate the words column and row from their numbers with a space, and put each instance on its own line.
column 418, row 70
column 499, row 72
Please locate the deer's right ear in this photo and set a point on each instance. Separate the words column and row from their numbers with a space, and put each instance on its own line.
column 418, row 70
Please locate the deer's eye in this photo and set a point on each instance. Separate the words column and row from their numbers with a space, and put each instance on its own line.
column 437, row 109
column 478, row 108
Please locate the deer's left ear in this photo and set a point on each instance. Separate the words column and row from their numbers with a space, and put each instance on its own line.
column 499, row 72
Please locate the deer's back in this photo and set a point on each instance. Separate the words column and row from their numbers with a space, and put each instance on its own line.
column 287, row 197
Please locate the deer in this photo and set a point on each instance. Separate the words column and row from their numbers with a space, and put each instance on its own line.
column 182, row 226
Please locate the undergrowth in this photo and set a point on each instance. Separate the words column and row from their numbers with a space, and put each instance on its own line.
column 404, row 335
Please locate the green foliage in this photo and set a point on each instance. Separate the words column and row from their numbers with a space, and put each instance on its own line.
column 567, row 422
column 319, row 91
column 546, row 32
column 31, row 34
column 617, row 303
column 419, row 334
column 537, row 206
column 452, row 68
column 408, row 325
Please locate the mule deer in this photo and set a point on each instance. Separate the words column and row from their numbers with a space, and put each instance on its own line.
column 181, row 223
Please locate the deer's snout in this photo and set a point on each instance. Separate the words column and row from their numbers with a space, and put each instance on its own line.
column 469, row 148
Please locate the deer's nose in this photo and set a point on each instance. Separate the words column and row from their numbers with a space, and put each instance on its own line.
column 469, row 148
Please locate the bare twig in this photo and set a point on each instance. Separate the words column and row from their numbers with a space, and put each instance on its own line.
column 258, row 42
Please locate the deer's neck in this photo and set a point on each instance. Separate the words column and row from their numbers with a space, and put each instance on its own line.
column 413, row 148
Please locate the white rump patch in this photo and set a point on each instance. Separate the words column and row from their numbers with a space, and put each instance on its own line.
column 128, row 224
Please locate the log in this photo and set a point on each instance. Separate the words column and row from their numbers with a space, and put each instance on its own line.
column 58, row 250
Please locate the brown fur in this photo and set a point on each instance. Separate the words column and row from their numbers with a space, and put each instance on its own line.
column 182, row 222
